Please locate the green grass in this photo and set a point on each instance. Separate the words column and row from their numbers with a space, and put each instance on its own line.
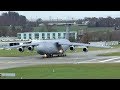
column 100, row 28
column 66, row 71
column 16, row 53
column 110, row 54
column 58, row 28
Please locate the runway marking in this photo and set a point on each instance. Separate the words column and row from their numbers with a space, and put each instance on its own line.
column 96, row 59
column 90, row 61
column 110, row 59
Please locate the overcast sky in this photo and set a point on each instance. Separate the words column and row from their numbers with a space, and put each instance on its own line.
column 45, row 15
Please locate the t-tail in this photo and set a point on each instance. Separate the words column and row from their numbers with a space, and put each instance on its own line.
column 67, row 31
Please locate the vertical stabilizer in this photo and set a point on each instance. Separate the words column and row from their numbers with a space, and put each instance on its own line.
column 67, row 31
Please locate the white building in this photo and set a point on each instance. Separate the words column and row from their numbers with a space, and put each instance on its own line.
column 44, row 35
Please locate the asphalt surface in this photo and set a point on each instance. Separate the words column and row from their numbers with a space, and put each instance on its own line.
column 71, row 58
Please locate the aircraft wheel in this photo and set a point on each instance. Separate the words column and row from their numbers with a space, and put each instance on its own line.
column 51, row 55
column 48, row 55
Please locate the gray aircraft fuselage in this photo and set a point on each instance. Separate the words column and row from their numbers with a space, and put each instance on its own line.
column 51, row 46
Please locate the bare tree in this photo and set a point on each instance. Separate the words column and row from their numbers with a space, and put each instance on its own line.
column 86, row 38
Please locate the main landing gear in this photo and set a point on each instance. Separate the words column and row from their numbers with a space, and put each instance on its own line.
column 51, row 55
column 48, row 55
column 61, row 55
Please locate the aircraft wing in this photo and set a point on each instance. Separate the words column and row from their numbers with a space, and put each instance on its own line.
column 23, row 45
column 83, row 44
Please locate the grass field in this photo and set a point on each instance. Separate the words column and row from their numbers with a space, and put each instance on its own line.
column 66, row 71
column 58, row 28
column 16, row 53
column 110, row 54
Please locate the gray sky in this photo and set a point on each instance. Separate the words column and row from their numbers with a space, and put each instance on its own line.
column 45, row 15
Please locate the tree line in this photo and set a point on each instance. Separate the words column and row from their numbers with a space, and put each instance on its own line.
column 100, row 22
column 12, row 23
column 100, row 36
column 12, row 18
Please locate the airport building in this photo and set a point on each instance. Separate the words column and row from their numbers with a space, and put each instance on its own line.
column 44, row 35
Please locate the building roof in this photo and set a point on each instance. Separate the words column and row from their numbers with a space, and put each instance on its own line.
column 48, row 32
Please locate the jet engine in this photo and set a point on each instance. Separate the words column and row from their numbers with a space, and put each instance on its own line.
column 85, row 49
column 21, row 49
column 72, row 48
column 31, row 48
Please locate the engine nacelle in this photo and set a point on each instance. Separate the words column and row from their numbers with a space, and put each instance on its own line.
column 85, row 49
column 72, row 48
column 21, row 49
column 30, row 48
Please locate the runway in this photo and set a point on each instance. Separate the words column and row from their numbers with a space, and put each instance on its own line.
column 71, row 58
